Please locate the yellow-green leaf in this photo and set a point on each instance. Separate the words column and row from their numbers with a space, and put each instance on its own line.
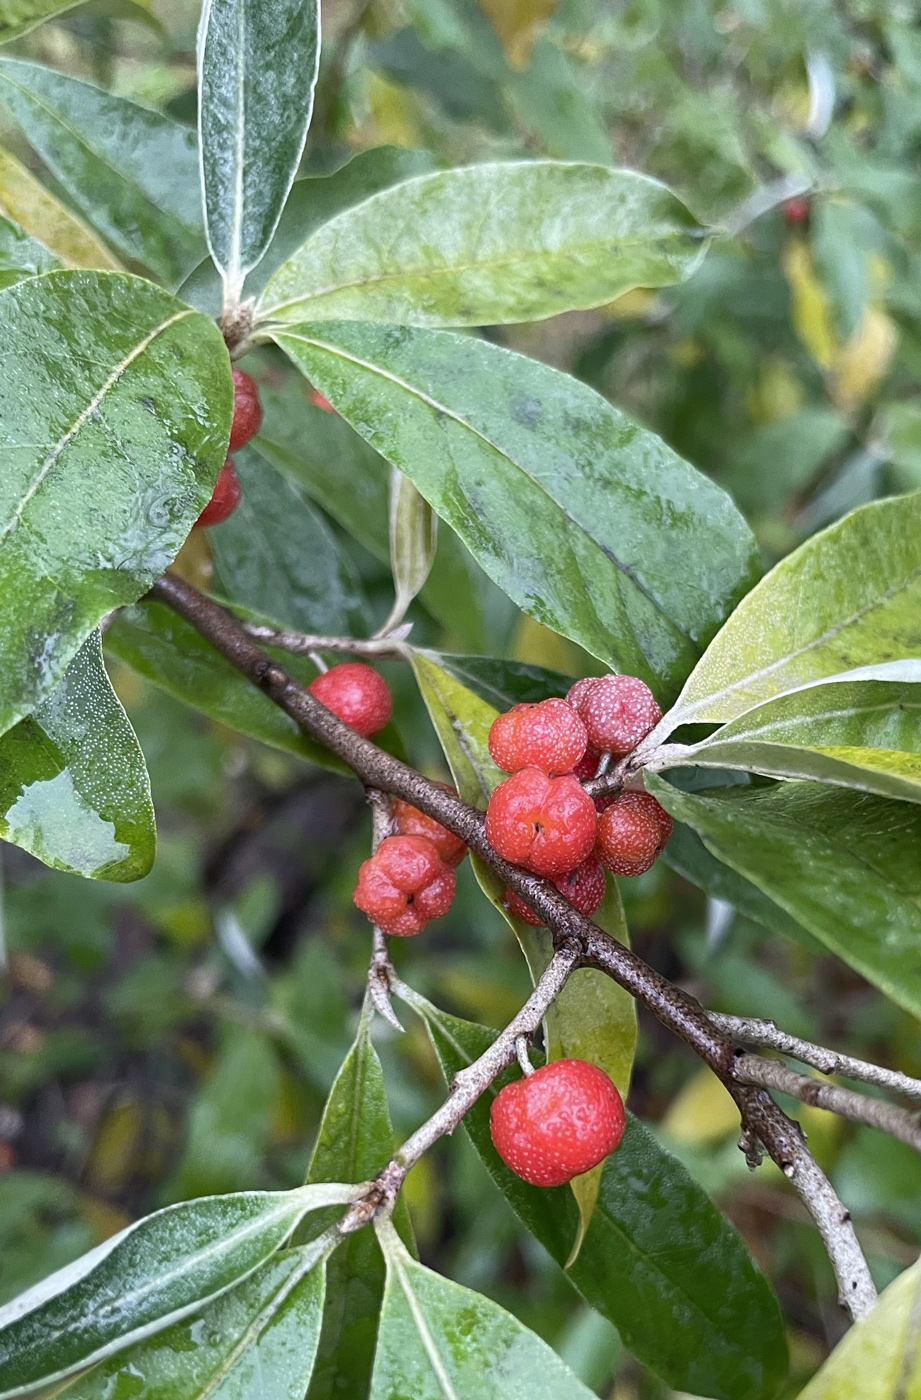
column 879, row 1358
column 30, row 205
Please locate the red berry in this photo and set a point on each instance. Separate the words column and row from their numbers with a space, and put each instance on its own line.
column 587, row 767
column 617, row 711
column 247, row 410
column 545, row 824
column 318, row 401
column 549, row 736
column 558, row 1122
column 403, row 885
column 409, row 821
column 225, row 498
column 632, row 830
column 357, row 694
column 584, row 887
column 796, row 212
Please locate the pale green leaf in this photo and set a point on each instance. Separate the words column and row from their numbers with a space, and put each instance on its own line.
column 17, row 17
column 413, row 539
column 21, row 255
column 880, row 1357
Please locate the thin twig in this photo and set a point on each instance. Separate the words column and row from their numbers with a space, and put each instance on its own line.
column 673, row 1007
column 303, row 643
column 381, row 975
column 898, row 1122
column 753, row 1031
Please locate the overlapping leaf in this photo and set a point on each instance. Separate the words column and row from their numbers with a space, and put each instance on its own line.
column 37, row 211
column 489, row 244
column 21, row 255
column 880, row 1357
column 587, row 521
column 17, row 17
column 115, row 405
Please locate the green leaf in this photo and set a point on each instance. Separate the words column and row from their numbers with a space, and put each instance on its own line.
column 413, row 539
column 856, row 734
column 439, row 1341
column 131, row 171
column 151, row 1274
column 502, row 683
column 489, row 244
column 74, row 789
column 17, row 17
column 29, row 204
column 257, row 68
column 659, row 1260
column 587, row 521
column 277, row 556
column 21, row 255
column 879, row 1357
column 259, row 1338
column 845, row 865
column 355, row 1140
column 115, row 406
column 847, row 599
column 168, row 651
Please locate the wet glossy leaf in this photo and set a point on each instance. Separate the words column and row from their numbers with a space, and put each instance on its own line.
column 277, row 556
column 502, row 683
column 587, row 521
column 355, row 1140
column 154, row 1273
column 168, row 651
column 259, row 1338
column 21, row 255
column 439, row 1341
column 19, row 16
column 132, row 171
column 29, row 204
column 74, row 789
column 845, row 865
column 489, row 244
column 257, row 67
column 115, row 404
column 659, row 1260
column 855, row 734
column 848, row 598
column 413, row 540
column 879, row 1357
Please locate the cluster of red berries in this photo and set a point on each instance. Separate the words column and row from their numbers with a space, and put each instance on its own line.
column 247, row 418
column 543, row 819
column 410, row 878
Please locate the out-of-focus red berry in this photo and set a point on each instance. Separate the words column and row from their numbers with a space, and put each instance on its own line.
column 409, row 821
column 545, row 824
column 357, row 693
column 404, row 885
column 247, row 410
column 225, row 499
column 796, row 212
column 617, row 711
column 584, row 887
column 558, row 1122
column 632, row 830
column 319, row 401
column 549, row 736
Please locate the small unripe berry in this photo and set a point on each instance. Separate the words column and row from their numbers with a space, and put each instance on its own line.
column 632, row 830
column 225, row 499
column 247, row 410
column 404, row 885
column 357, row 694
column 584, row 887
column 319, row 401
column 558, row 1122
column 545, row 824
column 409, row 821
column 617, row 711
column 549, row 736
column 796, row 212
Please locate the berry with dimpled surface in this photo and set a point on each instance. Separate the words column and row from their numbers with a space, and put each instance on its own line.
column 584, row 887
column 558, row 1122
column 617, row 711
column 225, row 498
column 549, row 735
column 357, row 694
column 548, row 825
column 409, row 821
column 247, row 410
column 404, row 885
column 632, row 831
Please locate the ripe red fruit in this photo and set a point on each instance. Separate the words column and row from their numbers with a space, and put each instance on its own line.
column 617, row 711
column 584, row 887
column 796, row 212
column 545, row 824
column 409, row 821
column 549, row 736
column 225, row 498
column 404, row 885
column 587, row 766
column 632, row 830
column 247, row 410
column 558, row 1122
column 318, row 401
column 357, row 694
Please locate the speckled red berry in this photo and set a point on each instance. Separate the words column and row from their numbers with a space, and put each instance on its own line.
column 584, row 887
column 319, row 401
column 632, row 830
column 545, row 824
column 404, row 885
column 617, row 711
column 357, row 694
column 796, row 212
column 548, row 735
column 558, row 1122
column 409, row 821
column 225, row 499
column 587, row 766
column 247, row 410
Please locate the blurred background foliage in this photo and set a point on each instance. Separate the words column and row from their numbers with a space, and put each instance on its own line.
column 178, row 1036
